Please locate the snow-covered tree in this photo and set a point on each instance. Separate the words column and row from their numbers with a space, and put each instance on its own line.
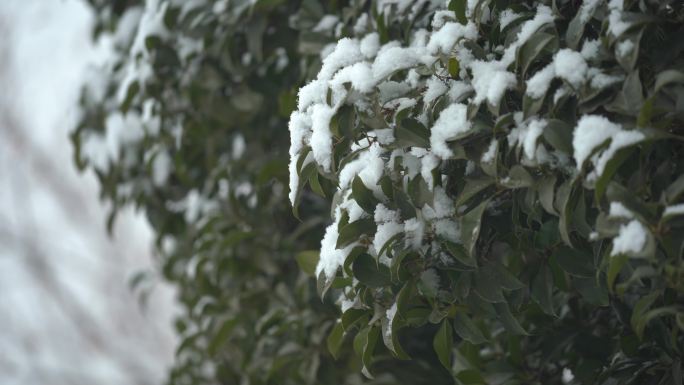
column 485, row 191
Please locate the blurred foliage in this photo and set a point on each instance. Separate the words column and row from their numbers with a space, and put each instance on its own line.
column 188, row 121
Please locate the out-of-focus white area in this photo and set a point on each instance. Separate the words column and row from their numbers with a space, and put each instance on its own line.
column 68, row 314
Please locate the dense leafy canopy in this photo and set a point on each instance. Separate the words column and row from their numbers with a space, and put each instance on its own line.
column 505, row 181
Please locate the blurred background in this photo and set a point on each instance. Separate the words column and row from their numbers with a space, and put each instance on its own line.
column 68, row 312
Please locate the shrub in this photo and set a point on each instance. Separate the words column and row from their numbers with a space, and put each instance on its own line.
column 504, row 180
column 510, row 177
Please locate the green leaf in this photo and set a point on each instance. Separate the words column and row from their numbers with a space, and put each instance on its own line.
column 517, row 177
column 640, row 309
column 576, row 28
column 558, row 134
column 615, row 264
column 443, row 344
column 459, row 8
column 470, row 227
column 487, row 287
column 575, row 262
column 354, row 230
column 472, row 187
column 504, row 277
column 371, row 274
column 542, row 290
column 323, row 284
column 546, row 189
column 390, row 338
column 467, row 330
column 461, row 255
column 533, row 47
column 351, row 317
column 335, row 339
column 221, row 336
column 593, row 291
column 411, row 132
column 508, row 320
column 565, row 202
column 668, row 77
column 396, row 272
column 364, row 345
column 471, row 377
column 307, row 261
column 453, row 67
column 363, row 195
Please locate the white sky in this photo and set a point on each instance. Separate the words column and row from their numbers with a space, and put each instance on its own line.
column 68, row 315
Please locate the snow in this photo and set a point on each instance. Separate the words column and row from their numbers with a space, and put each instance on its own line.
column 543, row 16
column 674, row 210
column 452, row 122
column 444, row 40
column 590, row 132
column 619, row 141
column 326, row 24
column 384, row 233
column 359, row 75
column 534, row 130
column 390, row 314
column 443, row 206
column 373, row 168
column 370, row 45
column 332, row 258
column 570, row 66
column 369, row 166
column 631, row 239
column 361, row 24
column 161, row 168
column 400, row 104
column 616, row 25
column 300, row 130
column 414, row 229
column 441, row 17
column 490, row 81
column 428, row 163
column 353, row 209
column 590, row 49
column 312, row 93
column 447, row 229
column 430, row 280
column 384, row 136
column 624, row 47
column 238, row 146
column 488, row 156
column 600, row 80
column 383, row 215
column 587, row 10
column 435, row 88
column 321, row 137
column 458, row 89
column 539, row 83
column 567, row 376
column 394, row 59
column 347, row 52
column 618, row 210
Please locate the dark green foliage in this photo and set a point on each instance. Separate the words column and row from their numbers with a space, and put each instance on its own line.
column 530, row 285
